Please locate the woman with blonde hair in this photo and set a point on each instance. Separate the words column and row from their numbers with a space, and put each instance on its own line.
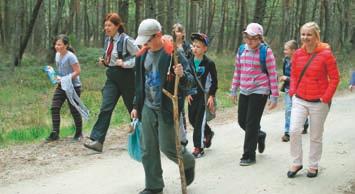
column 314, row 79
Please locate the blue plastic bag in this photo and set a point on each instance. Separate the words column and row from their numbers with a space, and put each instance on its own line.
column 134, row 144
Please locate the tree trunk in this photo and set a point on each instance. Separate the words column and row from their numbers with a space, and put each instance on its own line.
column 38, row 40
column 18, row 56
column 70, row 21
column 2, row 33
column 150, row 9
column 242, row 21
column 7, row 20
column 259, row 13
column 171, row 20
column 193, row 9
column 235, row 25
column 200, row 12
column 295, row 27
column 161, row 15
column 211, row 12
column 204, row 17
column 221, row 31
column 303, row 13
column 315, row 8
column 77, row 20
column 55, row 30
column 272, row 13
column 326, row 21
column 103, row 15
column 321, row 14
column 86, row 24
column 139, row 11
column 286, row 21
column 187, row 18
column 123, row 10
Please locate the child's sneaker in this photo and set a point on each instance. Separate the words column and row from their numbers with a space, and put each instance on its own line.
column 52, row 137
column 198, row 152
column 285, row 138
column 208, row 140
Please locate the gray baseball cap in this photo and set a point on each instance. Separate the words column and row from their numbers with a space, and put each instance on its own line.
column 147, row 28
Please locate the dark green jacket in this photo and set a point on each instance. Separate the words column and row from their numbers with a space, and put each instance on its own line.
column 166, row 106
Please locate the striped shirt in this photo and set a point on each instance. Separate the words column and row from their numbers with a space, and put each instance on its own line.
column 248, row 75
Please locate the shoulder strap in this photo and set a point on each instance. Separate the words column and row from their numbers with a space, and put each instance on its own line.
column 120, row 46
column 196, row 77
column 262, row 57
column 263, row 54
column 241, row 49
column 304, row 69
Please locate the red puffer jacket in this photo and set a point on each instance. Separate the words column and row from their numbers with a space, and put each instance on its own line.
column 321, row 77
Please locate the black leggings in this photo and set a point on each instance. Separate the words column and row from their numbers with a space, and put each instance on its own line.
column 59, row 98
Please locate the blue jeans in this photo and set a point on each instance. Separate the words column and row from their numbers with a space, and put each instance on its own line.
column 288, row 107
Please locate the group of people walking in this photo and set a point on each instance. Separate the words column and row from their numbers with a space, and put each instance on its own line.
column 139, row 70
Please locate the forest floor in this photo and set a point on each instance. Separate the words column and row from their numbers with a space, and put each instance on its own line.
column 67, row 167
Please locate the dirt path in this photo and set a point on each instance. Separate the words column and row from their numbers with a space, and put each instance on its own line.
column 65, row 168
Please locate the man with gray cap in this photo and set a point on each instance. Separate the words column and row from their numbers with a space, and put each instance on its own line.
column 155, row 70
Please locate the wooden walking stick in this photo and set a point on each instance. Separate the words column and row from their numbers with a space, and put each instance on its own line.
column 174, row 99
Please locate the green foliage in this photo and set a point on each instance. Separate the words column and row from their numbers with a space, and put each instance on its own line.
column 225, row 69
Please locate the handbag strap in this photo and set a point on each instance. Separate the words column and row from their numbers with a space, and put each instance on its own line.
column 304, row 69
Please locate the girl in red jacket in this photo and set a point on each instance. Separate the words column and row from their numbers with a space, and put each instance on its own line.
column 312, row 92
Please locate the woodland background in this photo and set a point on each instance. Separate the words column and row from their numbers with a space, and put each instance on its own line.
column 30, row 25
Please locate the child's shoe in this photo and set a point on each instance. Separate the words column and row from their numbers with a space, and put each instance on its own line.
column 286, row 137
column 208, row 140
column 52, row 137
column 78, row 137
column 198, row 152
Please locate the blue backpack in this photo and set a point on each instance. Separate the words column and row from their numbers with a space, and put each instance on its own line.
column 263, row 53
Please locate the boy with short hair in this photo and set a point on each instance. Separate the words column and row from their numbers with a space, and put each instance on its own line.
column 205, row 74
column 155, row 71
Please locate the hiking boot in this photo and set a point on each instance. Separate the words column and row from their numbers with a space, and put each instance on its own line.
column 94, row 145
column 190, row 175
column 53, row 136
column 208, row 140
column 286, row 137
column 247, row 162
column 198, row 152
column 261, row 142
column 78, row 137
column 151, row 191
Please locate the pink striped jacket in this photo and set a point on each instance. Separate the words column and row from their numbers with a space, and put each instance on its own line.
column 248, row 75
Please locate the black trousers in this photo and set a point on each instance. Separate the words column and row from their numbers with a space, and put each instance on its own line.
column 250, row 110
column 120, row 82
column 198, row 121
column 59, row 98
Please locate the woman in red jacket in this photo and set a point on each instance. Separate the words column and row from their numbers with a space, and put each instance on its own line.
column 312, row 93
